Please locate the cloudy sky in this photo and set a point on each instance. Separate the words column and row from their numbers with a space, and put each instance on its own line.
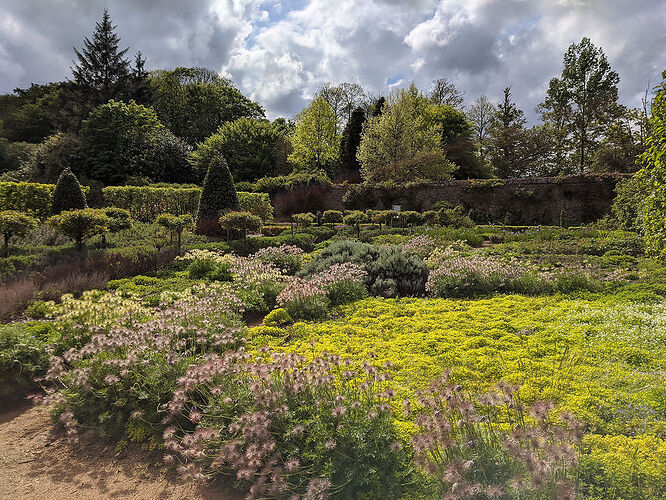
column 279, row 51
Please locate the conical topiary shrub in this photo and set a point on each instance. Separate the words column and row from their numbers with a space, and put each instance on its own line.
column 218, row 195
column 67, row 194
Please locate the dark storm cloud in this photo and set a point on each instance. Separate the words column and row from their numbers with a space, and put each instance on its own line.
column 280, row 51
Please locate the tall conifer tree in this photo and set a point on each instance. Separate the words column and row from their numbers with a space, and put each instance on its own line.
column 351, row 138
column 217, row 195
column 102, row 72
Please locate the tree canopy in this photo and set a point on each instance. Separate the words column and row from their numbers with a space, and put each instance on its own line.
column 248, row 145
column 314, row 140
column 194, row 102
column 581, row 101
column 401, row 144
column 102, row 72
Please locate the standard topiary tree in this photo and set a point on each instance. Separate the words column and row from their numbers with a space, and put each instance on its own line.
column 67, row 194
column 356, row 218
column 218, row 195
column 175, row 224
column 332, row 217
column 13, row 223
column 81, row 224
column 240, row 222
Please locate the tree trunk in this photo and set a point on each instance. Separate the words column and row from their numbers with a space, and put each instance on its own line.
column 6, row 244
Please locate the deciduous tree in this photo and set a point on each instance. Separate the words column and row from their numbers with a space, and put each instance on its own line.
column 445, row 93
column 580, row 103
column 315, row 143
column 401, row 145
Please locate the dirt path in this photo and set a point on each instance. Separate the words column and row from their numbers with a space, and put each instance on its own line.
column 38, row 462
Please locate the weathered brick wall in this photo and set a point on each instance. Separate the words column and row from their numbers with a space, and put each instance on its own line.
column 547, row 200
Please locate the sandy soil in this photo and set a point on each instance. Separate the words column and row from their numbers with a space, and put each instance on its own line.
column 38, row 462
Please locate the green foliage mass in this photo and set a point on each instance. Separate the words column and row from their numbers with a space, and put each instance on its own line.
column 652, row 211
column 391, row 272
column 118, row 139
column 23, row 358
column 248, row 145
column 241, row 222
column 456, row 141
column 67, row 194
column 13, row 223
column 194, row 102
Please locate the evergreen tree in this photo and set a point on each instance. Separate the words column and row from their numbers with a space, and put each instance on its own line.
column 377, row 106
column 506, row 133
column 140, row 89
column 218, row 195
column 67, row 194
column 351, row 139
column 102, row 72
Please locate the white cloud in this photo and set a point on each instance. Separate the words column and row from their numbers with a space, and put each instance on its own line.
column 279, row 52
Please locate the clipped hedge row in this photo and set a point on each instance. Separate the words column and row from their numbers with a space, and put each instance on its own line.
column 29, row 197
column 145, row 203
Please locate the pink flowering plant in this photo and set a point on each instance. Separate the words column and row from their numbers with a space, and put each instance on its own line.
column 421, row 246
column 287, row 258
column 120, row 382
column 304, row 299
column 474, row 275
column 343, row 282
column 311, row 298
column 282, row 427
column 491, row 446
column 257, row 283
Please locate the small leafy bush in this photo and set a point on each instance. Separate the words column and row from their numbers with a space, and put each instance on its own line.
column 453, row 217
column 397, row 274
column 22, row 358
column 332, row 217
column 304, row 219
column 390, row 272
column 355, row 218
column 278, row 317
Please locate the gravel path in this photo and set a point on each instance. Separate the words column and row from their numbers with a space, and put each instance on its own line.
column 38, row 462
